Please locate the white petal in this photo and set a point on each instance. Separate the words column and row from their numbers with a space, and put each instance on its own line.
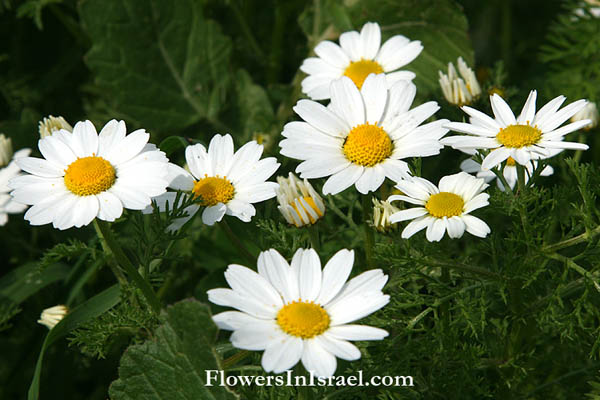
column 233, row 320
column 495, row 157
column 87, row 138
column 273, row 267
column 345, row 94
column 110, row 206
column 318, row 360
column 435, row 231
column 354, row 307
column 375, row 95
column 250, row 284
column 351, row 44
column 370, row 39
column 332, row 54
column 282, row 355
column 110, row 136
column 179, row 178
column 502, row 111
column 483, row 120
column 213, row 214
column 256, row 335
column 407, row 214
column 336, row 272
column 198, row 161
column 40, row 167
column 357, row 332
column 309, row 275
column 128, row 148
column 230, row 298
column 321, row 118
column 371, row 179
column 528, row 112
column 56, row 151
column 339, row 348
column 397, row 52
column 342, row 179
column 416, row 226
column 456, row 227
column 475, row 226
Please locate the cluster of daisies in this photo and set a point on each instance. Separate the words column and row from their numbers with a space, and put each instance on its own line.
column 298, row 311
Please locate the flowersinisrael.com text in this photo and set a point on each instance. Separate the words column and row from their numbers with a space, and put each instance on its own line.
column 218, row 378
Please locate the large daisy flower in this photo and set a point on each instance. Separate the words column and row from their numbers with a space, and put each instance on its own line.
column 84, row 175
column 530, row 136
column 443, row 208
column 220, row 181
column 360, row 54
column 509, row 171
column 298, row 312
column 11, row 170
column 363, row 135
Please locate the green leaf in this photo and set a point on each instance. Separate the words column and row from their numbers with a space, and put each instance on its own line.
column 256, row 112
column 84, row 312
column 440, row 25
column 173, row 364
column 160, row 62
column 172, row 144
column 26, row 280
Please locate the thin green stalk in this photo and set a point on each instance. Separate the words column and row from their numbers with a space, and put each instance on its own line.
column 236, row 241
column 500, row 175
column 121, row 278
column 369, row 236
column 234, row 359
column 520, row 177
column 579, row 153
column 584, row 237
column 313, row 235
column 125, row 263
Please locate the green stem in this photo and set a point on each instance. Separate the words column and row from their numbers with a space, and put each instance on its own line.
column 313, row 234
column 236, row 241
column 521, row 177
column 121, row 278
column 579, row 153
column 499, row 175
column 584, row 237
column 234, row 359
column 367, row 205
column 122, row 259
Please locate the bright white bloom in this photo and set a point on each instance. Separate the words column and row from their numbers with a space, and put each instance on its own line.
column 363, row 135
column 221, row 181
column 52, row 124
column 530, row 136
column 7, row 204
column 299, row 312
column 382, row 210
column 510, row 171
column 53, row 315
column 594, row 10
column 590, row 111
column 84, row 175
column 360, row 54
column 460, row 90
column 442, row 209
column 299, row 204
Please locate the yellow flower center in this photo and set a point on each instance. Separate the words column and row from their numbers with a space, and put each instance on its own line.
column 213, row 190
column 89, row 175
column 445, row 204
column 519, row 136
column 359, row 70
column 312, row 205
column 367, row 145
column 510, row 162
column 303, row 319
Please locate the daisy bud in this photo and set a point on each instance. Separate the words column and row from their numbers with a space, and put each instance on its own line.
column 53, row 315
column 460, row 90
column 52, row 124
column 381, row 215
column 590, row 111
column 299, row 203
column 6, row 151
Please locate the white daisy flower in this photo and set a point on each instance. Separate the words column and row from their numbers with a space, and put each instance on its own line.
column 363, row 135
column 530, row 136
column 510, row 171
column 459, row 90
column 590, row 111
column 84, row 175
column 299, row 312
column 357, row 56
column 443, row 208
column 53, row 315
column 9, row 171
column 221, row 181
column 299, row 204
column 51, row 124
column 382, row 210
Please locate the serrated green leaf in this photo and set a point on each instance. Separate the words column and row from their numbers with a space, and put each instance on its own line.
column 173, row 364
column 160, row 62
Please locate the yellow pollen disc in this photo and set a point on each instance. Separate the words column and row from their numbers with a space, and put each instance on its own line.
column 213, row 190
column 510, row 162
column 359, row 70
column 89, row 175
column 303, row 319
column 519, row 136
column 445, row 204
column 367, row 145
column 312, row 205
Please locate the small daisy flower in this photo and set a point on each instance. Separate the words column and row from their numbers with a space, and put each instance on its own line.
column 443, row 208
column 461, row 90
column 8, row 170
column 299, row 204
column 52, row 124
column 530, row 136
column 221, row 181
column 510, row 171
column 357, row 56
column 590, row 111
column 84, row 175
column 382, row 210
column 362, row 137
column 299, row 312
column 53, row 315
